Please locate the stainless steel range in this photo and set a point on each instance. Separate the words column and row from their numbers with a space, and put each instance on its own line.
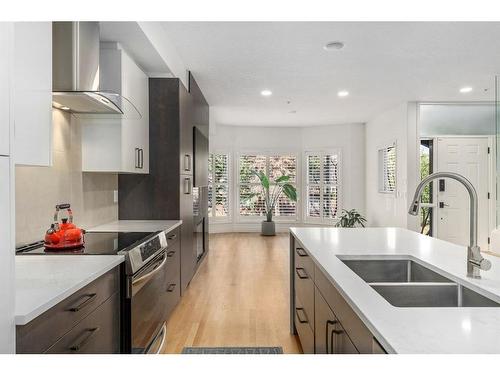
column 145, row 284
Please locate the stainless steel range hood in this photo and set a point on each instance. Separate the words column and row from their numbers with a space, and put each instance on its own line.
column 75, row 74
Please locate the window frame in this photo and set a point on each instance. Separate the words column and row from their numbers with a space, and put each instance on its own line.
column 237, row 184
column 229, row 217
column 305, row 179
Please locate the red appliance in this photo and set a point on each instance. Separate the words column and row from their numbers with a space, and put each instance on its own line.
column 64, row 235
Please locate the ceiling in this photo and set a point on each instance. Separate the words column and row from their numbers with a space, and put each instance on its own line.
column 381, row 65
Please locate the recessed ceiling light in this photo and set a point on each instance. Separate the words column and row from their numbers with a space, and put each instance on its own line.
column 343, row 93
column 465, row 90
column 266, row 93
column 333, row 46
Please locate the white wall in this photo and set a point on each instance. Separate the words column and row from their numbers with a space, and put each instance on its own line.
column 397, row 125
column 90, row 194
column 349, row 138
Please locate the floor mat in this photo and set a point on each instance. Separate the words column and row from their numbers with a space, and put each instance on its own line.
column 234, row 350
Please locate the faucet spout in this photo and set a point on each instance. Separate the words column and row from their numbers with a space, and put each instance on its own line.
column 475, row 261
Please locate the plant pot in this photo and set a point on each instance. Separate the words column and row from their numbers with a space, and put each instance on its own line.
column 268, row 228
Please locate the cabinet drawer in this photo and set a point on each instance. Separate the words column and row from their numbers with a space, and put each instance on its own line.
column 45, row 330
column 173, row 293
column 303, row 260
column 354, row 327
column 173, row 258
column 173, row 276
column 304, row 291
column 173, row 236
column 98, row 333
column 303, row 327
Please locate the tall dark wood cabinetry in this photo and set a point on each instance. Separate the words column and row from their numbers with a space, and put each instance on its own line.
column 169, row 190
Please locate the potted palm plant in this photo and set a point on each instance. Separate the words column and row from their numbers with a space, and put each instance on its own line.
column 351, row 219
column 271, row 192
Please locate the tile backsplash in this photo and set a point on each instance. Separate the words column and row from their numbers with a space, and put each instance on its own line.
column 39, row 189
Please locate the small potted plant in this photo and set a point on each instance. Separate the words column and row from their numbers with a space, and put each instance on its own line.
column 271, row 191
column 351, row 219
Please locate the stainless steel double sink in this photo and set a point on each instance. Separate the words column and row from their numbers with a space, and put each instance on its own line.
column 406, row 283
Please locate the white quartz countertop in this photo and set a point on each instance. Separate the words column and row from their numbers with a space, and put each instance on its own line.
column 137, row 226
column 409, row 330
column 44, row 281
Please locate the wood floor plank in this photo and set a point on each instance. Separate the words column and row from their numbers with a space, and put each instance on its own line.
column 239, row 296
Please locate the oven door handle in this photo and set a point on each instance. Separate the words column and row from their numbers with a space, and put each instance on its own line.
column 158, row 266
column 163, row 335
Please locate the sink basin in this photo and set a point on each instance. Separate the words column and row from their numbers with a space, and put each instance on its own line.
column 406, row 283
column 393, row 271
column 432, row 295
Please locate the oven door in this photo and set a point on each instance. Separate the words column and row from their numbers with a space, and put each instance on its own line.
column 149, row 305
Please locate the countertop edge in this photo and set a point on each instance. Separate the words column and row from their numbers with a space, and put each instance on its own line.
column 21, row 320
column 114, row 226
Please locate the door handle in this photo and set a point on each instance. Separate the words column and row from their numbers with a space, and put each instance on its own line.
column 300, row 252
column 89, row 299
column 171, row 253
column 171, row 287
column 443, row 205
column 79, row 345
column 172, row 237
column 136, row 157
column 301, row 273
column 328, row 323
column 141, row 158
column 187, row 162
column 187, row 185
column 161, row 335
column 301, row 310
column 157, row 267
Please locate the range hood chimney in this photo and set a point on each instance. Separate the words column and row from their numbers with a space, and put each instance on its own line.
column 75, row 73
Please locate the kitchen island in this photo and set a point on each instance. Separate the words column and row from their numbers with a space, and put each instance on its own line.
column 391, row 329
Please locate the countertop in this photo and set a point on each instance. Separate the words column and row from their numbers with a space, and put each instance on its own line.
column 409, row 330
column 137, row 226
column 44, row 281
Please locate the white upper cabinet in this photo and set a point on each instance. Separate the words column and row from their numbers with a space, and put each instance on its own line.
column 119, row 145
column 6, row 31
column 32, row 93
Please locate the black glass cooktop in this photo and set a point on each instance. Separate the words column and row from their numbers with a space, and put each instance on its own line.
column 108, row 243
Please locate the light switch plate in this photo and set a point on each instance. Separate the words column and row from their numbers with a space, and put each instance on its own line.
column 115, row 196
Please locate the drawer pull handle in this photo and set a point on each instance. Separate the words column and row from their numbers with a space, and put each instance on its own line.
column 300, row 252
column 301, row 273
column 171, row 253
column 299, row 310
column 172, row 236
column 76, row 347
column 329, row 347
column 171, row 288
column 90, row 298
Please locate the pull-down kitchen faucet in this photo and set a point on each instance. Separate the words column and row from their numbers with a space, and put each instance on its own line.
column 475, row 261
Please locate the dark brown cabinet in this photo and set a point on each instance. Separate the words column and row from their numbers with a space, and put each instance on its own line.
column 168, row 192
column 330, row 336
column 88, row 321
column 322, row 318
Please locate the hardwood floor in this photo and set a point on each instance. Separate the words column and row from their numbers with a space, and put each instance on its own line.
column 239, row 296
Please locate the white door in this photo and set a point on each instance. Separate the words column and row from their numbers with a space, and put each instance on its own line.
column 468, row 157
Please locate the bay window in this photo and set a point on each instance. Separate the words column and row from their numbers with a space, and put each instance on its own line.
column 250, row 200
